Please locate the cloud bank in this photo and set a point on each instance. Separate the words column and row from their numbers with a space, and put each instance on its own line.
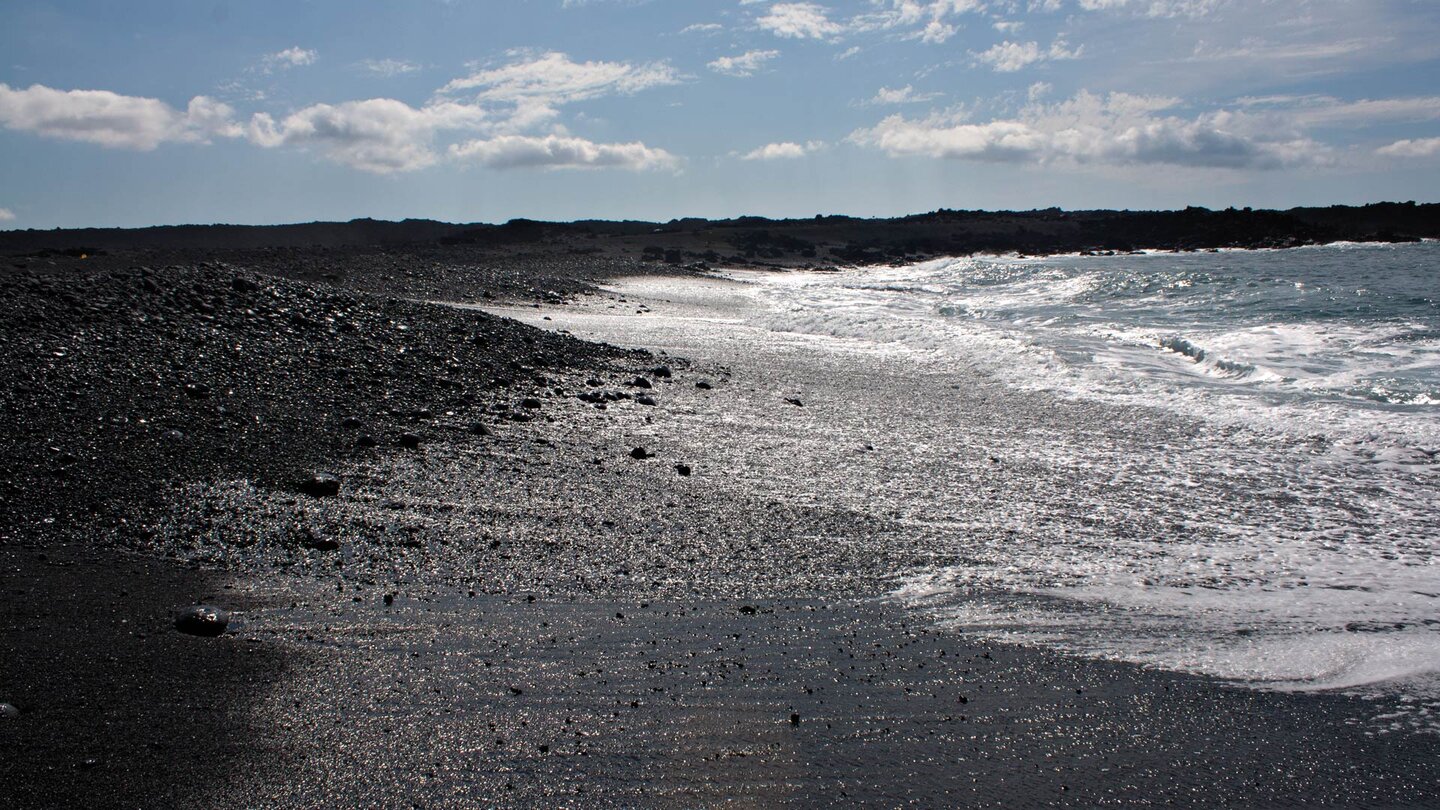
column 1118, row 130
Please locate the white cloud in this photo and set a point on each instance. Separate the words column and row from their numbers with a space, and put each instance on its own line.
column 560, row 152
column 389, row 67
column 744, row 64
column 702, row 28
column 288, row 58
column 1423, row 147
column 936, row 32
column 6, row 215
column 799, row 21
column 900, row 95
column 926, row 19
column 1157, row 8
column 111, row 119
column 378, row 135
column 783, row 151
column 1038, row 90
column 1324, row 111
column 553, row 78
column 1008, row 57
column 1118, row 129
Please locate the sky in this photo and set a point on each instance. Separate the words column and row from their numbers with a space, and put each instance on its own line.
column 199, row 111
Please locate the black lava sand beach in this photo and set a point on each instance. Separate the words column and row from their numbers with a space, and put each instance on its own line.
column 554, row 572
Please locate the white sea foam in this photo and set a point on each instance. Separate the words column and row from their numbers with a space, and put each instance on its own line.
column 1292, row 544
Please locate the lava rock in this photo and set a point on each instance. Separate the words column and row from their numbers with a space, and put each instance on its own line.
column 644, row 399
column 641, row 454
column 683, row 469
column 662, row 372
column 794, row 401
column 366, row 441
column 351, row 423
column 321, row 485
column 319, row 542
column 8, row 711
column 410, row 440
column 203, row 620
column 641, row 382
column 704, row 386
column 479, row 429
column 530, row 402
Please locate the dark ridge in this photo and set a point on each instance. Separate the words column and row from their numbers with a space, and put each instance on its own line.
column 842, row 237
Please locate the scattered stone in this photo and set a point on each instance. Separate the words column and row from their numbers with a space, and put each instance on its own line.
column 410, row 440
column 530, row 402
column 197, row 390
column 641, row 454
column 683, row 469
column 479, row 429
column 319, row 542
column 794, row 719
column 704, row 386
column 351, row 423
column 243, row 285
column 366, row 441
column 321, row 485
column 794, row 401
column 641, row 382
column 389, row 599
column 203, row 620
column 645, row 399
column 8, row 711
column 662, row 372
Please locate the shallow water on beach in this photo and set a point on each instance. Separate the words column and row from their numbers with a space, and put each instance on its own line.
column 1262, row 512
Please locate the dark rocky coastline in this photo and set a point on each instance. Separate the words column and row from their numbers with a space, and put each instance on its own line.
column 451, row 579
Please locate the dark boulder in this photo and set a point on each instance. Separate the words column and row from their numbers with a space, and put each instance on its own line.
column 321, row 485
column 662, row 372
column 410, row 440
column 641, row 454
column 644, row 399
column 202, row 620
column 641, row 382
column 683, row 469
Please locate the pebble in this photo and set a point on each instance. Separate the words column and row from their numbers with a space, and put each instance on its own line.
column 321, row 485
column 202, row 620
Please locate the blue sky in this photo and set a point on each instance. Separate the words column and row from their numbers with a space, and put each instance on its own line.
column 145, row 113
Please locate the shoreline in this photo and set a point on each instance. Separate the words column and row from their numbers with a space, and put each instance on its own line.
column 678, row 622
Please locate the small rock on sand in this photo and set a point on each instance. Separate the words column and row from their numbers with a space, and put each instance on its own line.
column 683, row 469
column 410, row 440
column 8, row 711
column 640, row 453
column 202, row 620
column 321, row 485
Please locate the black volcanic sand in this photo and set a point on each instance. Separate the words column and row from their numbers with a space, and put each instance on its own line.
column 522, row 613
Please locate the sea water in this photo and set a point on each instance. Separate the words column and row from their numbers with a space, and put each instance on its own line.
column 1290, row 544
